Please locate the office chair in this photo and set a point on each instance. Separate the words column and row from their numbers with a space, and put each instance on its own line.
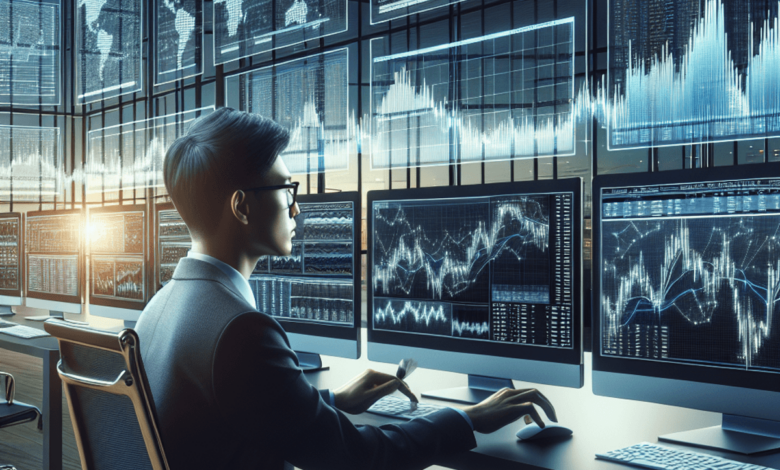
column 110, row 403
column 12, row 413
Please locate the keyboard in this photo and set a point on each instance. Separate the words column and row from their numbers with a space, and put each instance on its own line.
column 656, row 457
column 20, row 331
column 397, row 407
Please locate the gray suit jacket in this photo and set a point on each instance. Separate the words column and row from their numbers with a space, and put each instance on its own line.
column 229, row 393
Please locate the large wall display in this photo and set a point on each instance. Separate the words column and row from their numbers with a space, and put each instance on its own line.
column 53, row 247
column 109, row 48
column 11, row 254
column 29, row 53
column 692, row 71
column 173, row 243
column 130, row 155
column 691, row 273
column 386, row 10
column 30, row 163
column 117, row 248
column 496, row 97
column 316, row 283
column 247, row 27
column 309, row 97
column 179, row 39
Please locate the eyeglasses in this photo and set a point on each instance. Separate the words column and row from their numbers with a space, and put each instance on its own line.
column 292, row 191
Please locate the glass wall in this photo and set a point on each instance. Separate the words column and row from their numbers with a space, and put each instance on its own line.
column 102, row 137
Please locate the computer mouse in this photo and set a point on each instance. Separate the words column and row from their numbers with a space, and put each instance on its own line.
column 532, row 432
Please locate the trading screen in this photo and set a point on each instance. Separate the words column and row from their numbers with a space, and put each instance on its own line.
column 117, row 255
column 10, row 241
column 493, row 268
column 29, row 52
column 53, row 245
column 690, row 273
column 173, row 243
column 247, row 27
column 316, row 283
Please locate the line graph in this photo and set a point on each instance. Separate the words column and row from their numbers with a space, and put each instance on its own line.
column 30, row 162
column 441, row 251
column 692, row 71
column 474, row 268
column 414, row 316
column 130, row 155
column 309, row 97
column 497, row 97
column 701, row 289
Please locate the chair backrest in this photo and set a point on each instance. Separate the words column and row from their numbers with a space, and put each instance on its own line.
column 110, row 403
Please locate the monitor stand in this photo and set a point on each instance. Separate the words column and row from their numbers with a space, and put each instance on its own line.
column 54, row 314
column 5, row 311
column 737, row 434
column 479, row 388
column 310, row 362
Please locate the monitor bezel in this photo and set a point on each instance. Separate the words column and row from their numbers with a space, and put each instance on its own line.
column 572, row 356
column 351, row 333
column 121, row 306
column 753, row 379
column 16, row 293
column 59, row 298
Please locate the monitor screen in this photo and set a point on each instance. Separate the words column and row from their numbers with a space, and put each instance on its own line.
column 10, row 258
column 489, row 270
column 117, row 272
column 689, row 275
column 315, row 292
column 173, row 243
column 53, row 261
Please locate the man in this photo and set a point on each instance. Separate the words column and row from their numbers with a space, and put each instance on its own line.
column 227, row 387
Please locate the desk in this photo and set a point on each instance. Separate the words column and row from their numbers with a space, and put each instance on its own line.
column 600, row 424
column 48, row 350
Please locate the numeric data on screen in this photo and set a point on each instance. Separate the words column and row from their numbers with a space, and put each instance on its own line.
column 690, row 273
column 497, row 268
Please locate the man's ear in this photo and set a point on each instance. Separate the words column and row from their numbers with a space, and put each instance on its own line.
column 240, row 207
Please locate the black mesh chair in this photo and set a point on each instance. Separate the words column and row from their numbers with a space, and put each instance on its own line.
column 110, row 403
column 14, row 412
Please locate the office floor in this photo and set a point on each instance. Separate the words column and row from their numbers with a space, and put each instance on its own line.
column 22, row 445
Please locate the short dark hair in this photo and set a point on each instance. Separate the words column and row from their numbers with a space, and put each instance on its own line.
column 221, row 152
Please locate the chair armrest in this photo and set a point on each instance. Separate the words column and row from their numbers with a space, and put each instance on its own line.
column 9, row 387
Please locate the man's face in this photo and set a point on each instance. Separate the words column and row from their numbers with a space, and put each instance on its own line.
column 271, row 220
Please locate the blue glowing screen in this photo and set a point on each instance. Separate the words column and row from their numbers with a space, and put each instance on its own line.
column 691, row 273
column 692, row 71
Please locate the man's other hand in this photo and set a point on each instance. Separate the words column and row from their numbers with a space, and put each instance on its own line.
column 508, row 405
column 364, row 390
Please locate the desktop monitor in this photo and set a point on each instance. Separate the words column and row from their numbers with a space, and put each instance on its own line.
column 173, row 243
column 118, row 271
column 685, row 286
column 315, row 293
column 10, row 261
column 53, row 261
column 483, row 280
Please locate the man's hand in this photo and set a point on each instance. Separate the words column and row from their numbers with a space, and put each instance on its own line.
column 364, row 390
column 506, row 406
